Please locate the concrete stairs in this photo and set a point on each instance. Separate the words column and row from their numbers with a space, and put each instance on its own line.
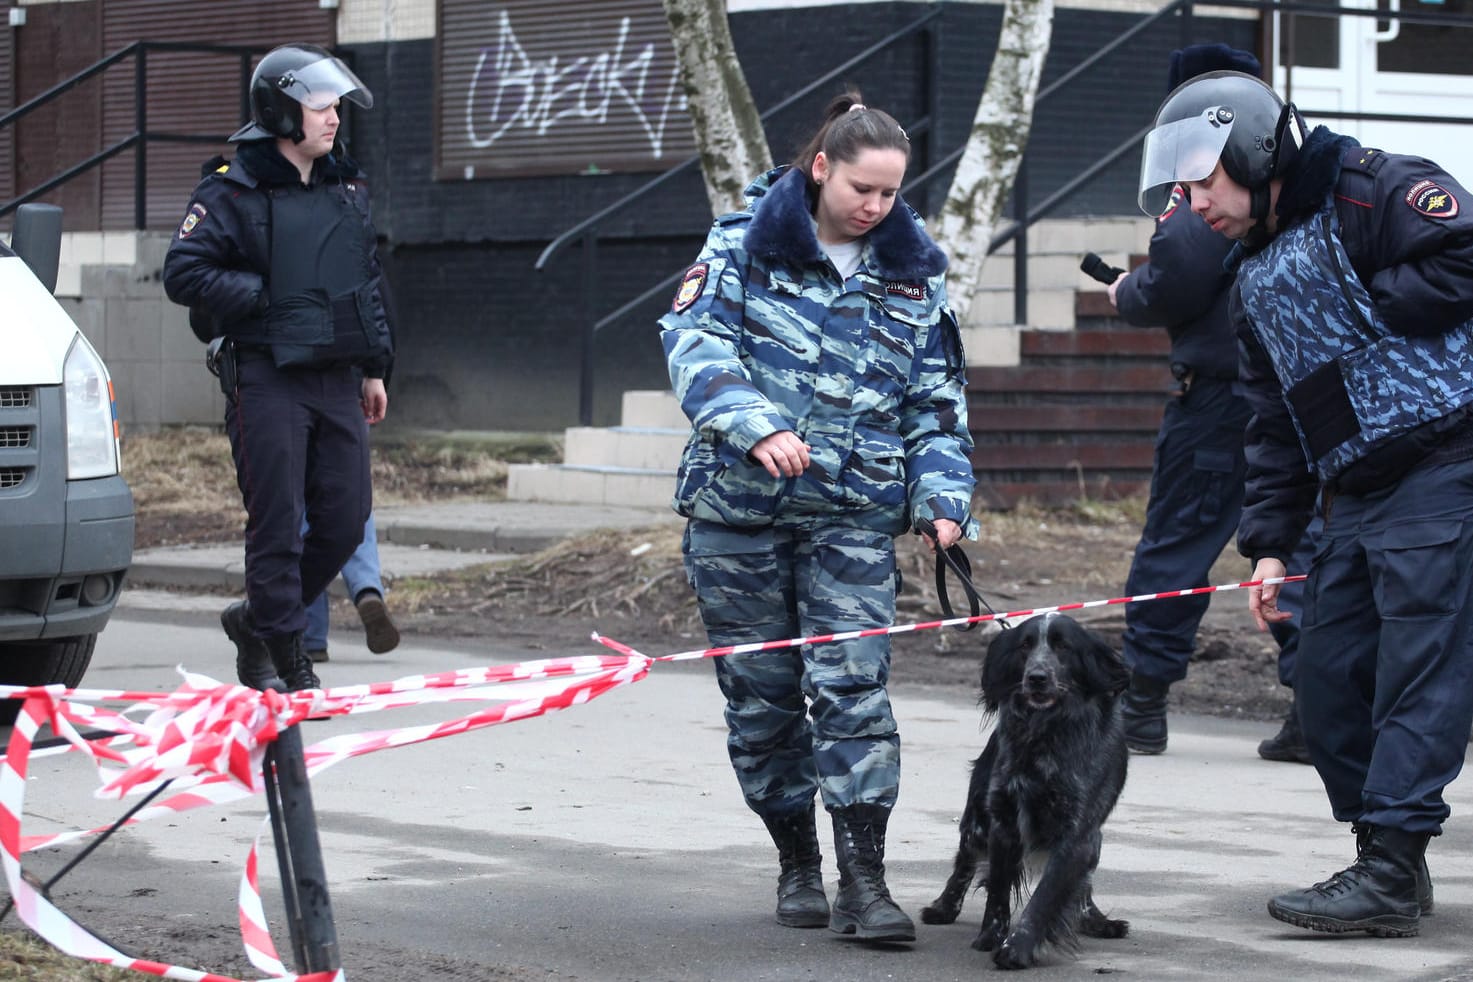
column 630, row 464
column 1058, row 413
column 109, row 284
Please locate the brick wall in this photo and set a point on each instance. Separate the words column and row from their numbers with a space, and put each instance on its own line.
column 486, row 341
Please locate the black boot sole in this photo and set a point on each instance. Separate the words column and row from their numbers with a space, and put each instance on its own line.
column 1284, row 755
column 803, row 919
column 1382, row 926
column 849, row 927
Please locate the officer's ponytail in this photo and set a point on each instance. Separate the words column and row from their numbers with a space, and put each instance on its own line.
column 849, row 127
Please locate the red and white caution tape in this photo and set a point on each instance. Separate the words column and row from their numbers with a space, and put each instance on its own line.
column 742, row 649
column 210, row 739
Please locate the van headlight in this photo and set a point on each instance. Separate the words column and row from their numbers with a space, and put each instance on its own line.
column 91, row 427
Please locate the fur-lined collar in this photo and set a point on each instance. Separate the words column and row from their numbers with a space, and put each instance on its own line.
column 1315, row 172
column 782, row 230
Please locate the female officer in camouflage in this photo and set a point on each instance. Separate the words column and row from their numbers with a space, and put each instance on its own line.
column 813, row 350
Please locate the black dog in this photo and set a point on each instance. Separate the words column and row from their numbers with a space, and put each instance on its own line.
column 1045, row 783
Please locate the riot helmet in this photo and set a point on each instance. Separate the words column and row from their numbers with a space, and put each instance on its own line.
column 1227, row 116
column 292, row 76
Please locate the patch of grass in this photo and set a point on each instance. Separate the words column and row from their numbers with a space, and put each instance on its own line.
column 24, row 957
column 183, row 470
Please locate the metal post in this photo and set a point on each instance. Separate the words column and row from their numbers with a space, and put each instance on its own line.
column 1020, row 244
column 585, row 367
column 1185, row 25
column 933, row 110
column 299, row 855
column 140, row 151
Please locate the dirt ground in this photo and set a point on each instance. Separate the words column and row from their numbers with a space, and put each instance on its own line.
column 630, row 585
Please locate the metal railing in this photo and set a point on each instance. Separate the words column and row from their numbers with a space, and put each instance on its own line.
column 1024, row 215
column 141, row 137
column 588, row 229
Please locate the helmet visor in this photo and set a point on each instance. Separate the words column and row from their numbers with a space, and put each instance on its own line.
column 324, row 82
column 1184, row 150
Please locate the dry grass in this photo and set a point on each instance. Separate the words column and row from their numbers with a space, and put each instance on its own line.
column 184, row 485
column 25, row 957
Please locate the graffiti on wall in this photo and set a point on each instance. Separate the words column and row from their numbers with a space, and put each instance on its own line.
column 512, row 92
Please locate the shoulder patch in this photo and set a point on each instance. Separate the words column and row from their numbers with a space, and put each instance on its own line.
column 1431, row 199
column 1178, row 194
column 1366, row 160
column 196, row 215
column 691, row 285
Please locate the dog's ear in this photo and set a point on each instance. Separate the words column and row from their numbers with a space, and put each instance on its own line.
column 1108, row 673
column 996, row 668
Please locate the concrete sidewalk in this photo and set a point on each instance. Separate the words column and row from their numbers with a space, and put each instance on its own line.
column 609, row 843
column 414, row 540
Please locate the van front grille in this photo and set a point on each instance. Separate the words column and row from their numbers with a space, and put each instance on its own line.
column 15, row 437
column 11, row 477
column 15, row 397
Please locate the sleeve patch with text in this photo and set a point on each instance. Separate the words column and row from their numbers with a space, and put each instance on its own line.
column 691, row 285
column 1432, row 199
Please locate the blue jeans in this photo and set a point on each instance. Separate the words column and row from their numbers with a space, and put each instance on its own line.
column 361, row 572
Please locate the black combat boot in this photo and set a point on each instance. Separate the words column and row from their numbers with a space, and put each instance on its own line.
column 1288, row 744
column 800, row 898
column 863, row 908
column 1377, row 893
column 1362, row 832
column 252, row 661
column 1144, row 711
column 292, row 663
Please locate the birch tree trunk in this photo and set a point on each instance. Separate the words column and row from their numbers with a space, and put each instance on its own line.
column 995, row 147
column 728, row 128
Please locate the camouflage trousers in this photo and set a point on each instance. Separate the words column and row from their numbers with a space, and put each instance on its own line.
column 815, row 717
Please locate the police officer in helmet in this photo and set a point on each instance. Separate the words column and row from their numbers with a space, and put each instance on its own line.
column 277, row 260
column 1354, row 309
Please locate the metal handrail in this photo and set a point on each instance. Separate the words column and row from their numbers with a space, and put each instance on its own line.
column 139, row 139
column 587, row 229
column 654, row 184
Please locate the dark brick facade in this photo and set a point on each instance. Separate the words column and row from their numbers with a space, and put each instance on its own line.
column 488, row 342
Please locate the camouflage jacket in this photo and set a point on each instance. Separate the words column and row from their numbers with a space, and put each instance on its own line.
column 764, row 336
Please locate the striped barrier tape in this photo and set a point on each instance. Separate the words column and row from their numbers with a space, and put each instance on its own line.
column 743, row 649
column 208, row 740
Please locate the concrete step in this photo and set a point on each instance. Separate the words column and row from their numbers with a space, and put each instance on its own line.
column 1050, row 309
column 222, row 566
column 571, row 483
column 1076, row 236
column 417, row 540
column 637, row 447
column 652, row 409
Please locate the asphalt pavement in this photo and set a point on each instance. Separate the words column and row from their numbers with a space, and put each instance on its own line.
column 609, row 842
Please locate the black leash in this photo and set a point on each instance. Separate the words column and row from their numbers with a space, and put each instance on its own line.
column 956, row 560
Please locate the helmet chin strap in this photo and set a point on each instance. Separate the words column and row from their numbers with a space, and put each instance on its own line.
column 1260, row 200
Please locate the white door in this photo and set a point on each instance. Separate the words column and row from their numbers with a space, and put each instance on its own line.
column 1384, row 64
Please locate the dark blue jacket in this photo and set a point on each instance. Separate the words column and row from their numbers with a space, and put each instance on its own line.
column 1407, row 228
column 1184, row 288
column 219, row 261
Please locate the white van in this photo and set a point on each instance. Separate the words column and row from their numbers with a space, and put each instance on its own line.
column 66, row 514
